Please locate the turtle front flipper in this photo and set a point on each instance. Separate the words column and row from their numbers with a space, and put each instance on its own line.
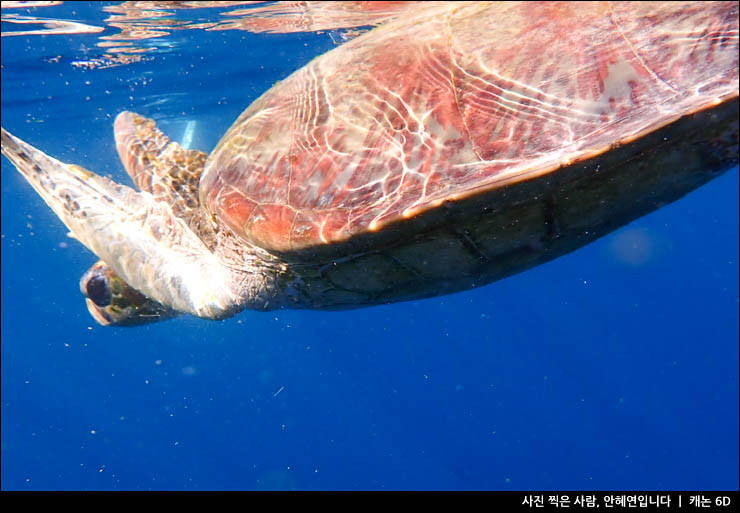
column 163, row 168
column 140, row 238
column 158, row 165
column 113, row 302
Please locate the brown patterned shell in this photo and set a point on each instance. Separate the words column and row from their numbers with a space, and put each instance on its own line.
column 459, row 99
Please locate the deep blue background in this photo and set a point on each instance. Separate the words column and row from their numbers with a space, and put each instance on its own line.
column 615, row 367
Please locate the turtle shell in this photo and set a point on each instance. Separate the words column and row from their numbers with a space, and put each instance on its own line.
column 455, row 101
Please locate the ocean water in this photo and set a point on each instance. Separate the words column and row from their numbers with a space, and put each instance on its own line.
column 614, row 367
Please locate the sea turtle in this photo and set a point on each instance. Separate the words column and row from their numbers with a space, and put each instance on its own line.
column 451, row 147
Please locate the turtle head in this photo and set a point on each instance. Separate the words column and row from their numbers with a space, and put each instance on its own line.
column 113, row 302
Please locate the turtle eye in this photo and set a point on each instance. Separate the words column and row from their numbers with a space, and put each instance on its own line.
column 97, row 290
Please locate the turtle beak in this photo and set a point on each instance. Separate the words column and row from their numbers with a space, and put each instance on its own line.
column 95, row 286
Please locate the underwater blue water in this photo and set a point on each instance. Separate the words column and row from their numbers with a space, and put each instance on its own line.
column 615, row 367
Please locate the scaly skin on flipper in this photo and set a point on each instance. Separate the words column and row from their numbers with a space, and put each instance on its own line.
column 138, row 237
column 164, row 169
